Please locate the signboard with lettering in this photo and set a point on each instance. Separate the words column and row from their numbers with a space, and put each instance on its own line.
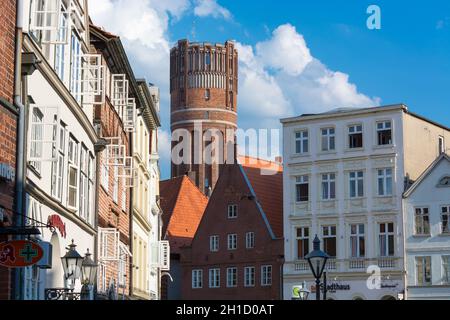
column 20, row 253
column 332, row 287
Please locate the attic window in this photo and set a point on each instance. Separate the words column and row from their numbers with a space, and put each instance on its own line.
column 444, row 182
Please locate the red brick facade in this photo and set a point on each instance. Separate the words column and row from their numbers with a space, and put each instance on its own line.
column 203, row 87
column 8, row 122
column 232, row 189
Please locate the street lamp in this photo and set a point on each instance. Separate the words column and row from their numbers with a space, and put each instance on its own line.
column 72, row 264
column 317, row 260
column 304, row 292
column 88, row 274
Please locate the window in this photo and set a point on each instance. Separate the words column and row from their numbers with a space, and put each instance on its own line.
column 197, row 279
column 266, row 275
column 91, row 189
column 328, row 186
column 84, row 181
column 36, row 138
column 302, row 237
column 422, row 221
column 232, row 211
column 446, row 269
column 75, row 67
column 356, row 184
column 122, row 271
column 105, row 175
column 355, row 136
column 208, row 60
column 329, row 240
column 302, row 188
column 61, row 47
column 73, row 173
column 385, row 182
column 249, row 240
column 301, row 142
column 231, row 277
column 214, row 243
column 232, row 241
column 328, row 139
column 441, row 145
column 423, row 269
column 207, row 94
column 445, row 217
column 115, row 194
column 214, row 278
column 58, row 166
column 384, row 133
column 357, row 240
column 249, row 276
column 386, row 239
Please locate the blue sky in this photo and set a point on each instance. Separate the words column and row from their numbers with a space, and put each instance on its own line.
column 336, row 60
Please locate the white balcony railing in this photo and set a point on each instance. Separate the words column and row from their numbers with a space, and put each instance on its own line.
column 356, row 263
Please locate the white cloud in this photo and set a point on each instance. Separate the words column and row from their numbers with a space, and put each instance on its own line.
column 164, row 145
column 204, row 8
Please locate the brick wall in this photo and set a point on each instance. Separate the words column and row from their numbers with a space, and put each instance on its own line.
column 7, row 119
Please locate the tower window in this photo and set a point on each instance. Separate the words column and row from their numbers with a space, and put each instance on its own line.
column 207, row 94
column 208, row 59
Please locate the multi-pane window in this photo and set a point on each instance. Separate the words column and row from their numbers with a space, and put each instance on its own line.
column 214, row 278
column 231, row 277
column 232, row 241
column 36, row 145
column 328, row 139
column 357, row 241
column 249, row 276
column 58, row 166
column 266, row 275
column 214, row 243
column 122, row 271
column 302, row 237
column 115, row 194
column 61, row 47
column 232, row 211
column 249, row 240
column 105, row 175
column 328, row 186
column 445, row 219
column 302, row 188
column 75, row 66
column 73, row 173
column 91, row 189
column 301, row 142
column 329, row 240
column 422, row 219
column 355, row 136
column 356, row 184
column 423, row 271
column 84, row 182
column 386, row 239
column 197, row 279
column 384, row 133
column 446, row 269
column 385, row 182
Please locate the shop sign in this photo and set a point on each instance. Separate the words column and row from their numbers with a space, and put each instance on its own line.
column 20, row 253
column 332, row 287
column 56, row 222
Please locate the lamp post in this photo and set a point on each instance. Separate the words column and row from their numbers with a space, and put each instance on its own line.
column 317, row 260
column 72, row 264
column 304, row 292
column 88, row 276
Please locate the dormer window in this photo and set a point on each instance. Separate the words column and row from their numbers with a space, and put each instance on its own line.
column 444, row 182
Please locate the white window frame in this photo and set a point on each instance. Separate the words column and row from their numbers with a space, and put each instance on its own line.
column 328, row 186
column 75, row 66
column 115, row 153
column 384, row 239
column 357, row 235
column 108, row 244
column 420, row 226
column 45, row 127
column 232, row 277
column 45, row 20
column 197, row 279
column 304, row 236
column 232, row 241
column 301, row 180
column 92, row 81
column 445, row 216
column 301, row 141
column 446, row 269
column 423, row 265
column 73, row 155
column 250, row 240
column 232, row 211
column 266, row 275
column 214, row 278
column 249, row 277
column 129, row 116
column 355, row 129
column 329, row 232
column 214, row 243
column 385, row 177
column 119, row 92
column 384, row 127
column 358, row 181
column 328, row 139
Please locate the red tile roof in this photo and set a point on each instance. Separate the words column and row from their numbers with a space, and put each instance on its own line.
column 266, row 179
column 183, row 205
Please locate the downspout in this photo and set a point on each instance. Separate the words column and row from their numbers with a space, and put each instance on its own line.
column 17, row 290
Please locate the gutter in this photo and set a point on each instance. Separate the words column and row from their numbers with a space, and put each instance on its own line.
column 17, row 289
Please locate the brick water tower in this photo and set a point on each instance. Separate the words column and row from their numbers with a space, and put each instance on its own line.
column 203, row 88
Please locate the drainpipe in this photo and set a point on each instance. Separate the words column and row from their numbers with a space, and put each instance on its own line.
column 17, row 290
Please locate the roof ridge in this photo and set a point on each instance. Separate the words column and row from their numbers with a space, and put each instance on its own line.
column 195, row 186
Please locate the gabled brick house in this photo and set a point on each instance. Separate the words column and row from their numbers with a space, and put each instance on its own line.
column 237, row 251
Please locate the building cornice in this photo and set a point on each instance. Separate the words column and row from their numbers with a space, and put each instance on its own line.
column 189, row 109
column 228, row 123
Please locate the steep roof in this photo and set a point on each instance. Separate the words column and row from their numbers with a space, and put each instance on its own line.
column 265, row 179
column 425, row 174
column 183, row 205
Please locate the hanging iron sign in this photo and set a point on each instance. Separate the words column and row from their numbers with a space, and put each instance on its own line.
column 20, row 253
